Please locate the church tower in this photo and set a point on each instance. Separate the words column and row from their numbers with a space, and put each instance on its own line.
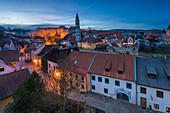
column 78, row 30
column 77, row 21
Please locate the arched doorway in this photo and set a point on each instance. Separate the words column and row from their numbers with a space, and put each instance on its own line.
column 122, row 96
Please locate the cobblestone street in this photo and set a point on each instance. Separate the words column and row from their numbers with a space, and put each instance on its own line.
column 32, row 67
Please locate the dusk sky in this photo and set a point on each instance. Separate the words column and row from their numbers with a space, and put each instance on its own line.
column 99, row 14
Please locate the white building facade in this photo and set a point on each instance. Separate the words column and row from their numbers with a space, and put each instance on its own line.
column 113, row 87
column 154, row 98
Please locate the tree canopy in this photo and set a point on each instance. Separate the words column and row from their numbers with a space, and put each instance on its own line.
column 27, row 97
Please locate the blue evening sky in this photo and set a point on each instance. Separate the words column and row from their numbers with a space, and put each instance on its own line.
column 99, row 14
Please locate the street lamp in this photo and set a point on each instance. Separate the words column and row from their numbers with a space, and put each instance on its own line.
column 57, row 74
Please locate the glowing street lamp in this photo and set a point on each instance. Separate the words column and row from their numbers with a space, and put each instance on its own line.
column 57, row 74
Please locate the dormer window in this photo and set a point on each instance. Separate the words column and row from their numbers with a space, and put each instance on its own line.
column 107, row 66
column 151, row 72
column 120, row 67
column 120, row 72
column 106, row 70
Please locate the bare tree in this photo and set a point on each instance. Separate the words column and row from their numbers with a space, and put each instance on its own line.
column 60, row 84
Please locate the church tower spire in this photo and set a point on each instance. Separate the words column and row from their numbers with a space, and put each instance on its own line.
column 78, row 30
column 77, row 21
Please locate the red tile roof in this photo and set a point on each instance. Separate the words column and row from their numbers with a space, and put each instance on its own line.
column 79, row 62
column 94, row 40
column 9, row 56
column 10, row 82
column 110, row 48
column 167, row 39
column 72, row 27
column 148, row 38
column 83, row 30
column 111, row 37
column 117, row 41
column 118, row 62
column 134, row 45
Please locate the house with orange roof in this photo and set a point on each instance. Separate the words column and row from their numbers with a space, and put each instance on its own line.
column 89, row 43
column 10, row 58
column 77, row 66
column 113, row 75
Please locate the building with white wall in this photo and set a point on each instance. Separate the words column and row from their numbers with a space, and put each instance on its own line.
column 11, row 58
column 5, row 68
column 153, row 83
column 113, row 75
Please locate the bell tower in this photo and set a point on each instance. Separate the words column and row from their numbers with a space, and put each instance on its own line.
column 77, row 21
column 78, row 30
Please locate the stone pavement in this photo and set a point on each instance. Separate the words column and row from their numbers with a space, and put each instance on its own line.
column 32, row 67
column 106, row 104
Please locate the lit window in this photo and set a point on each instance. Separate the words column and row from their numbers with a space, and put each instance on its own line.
column 117, row 83
column 167, row 109
column 93, row 77
column 107, row 80
column 14, row 64
column 100, row 79
column 129, row 85
column 93, row 87
column 105, row 90
column 143, row 90
column 159, row 94
column 156, row 106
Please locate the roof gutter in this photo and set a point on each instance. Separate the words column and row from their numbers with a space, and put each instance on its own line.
column 92, row 62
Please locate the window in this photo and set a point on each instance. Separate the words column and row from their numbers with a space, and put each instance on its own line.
column 1, row 69
column 107, row 70
column 143, row 90
column 82, row 79
column 93, row 77
column 129, row 85
column 120, row 72
column 70, row 74
column 159, row 94
column 117, row 83
column 77, row 84
column 152, row 76
column 93, row 87
column 100, row 79
column 14, row 64
column 107, row 80
column 156, row 106
column 105, row 90
column 77, row 77
column 49, row 65
column 82, row 86
column 167, row 109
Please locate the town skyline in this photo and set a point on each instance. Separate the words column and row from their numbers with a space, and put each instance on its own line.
column 94, row 14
